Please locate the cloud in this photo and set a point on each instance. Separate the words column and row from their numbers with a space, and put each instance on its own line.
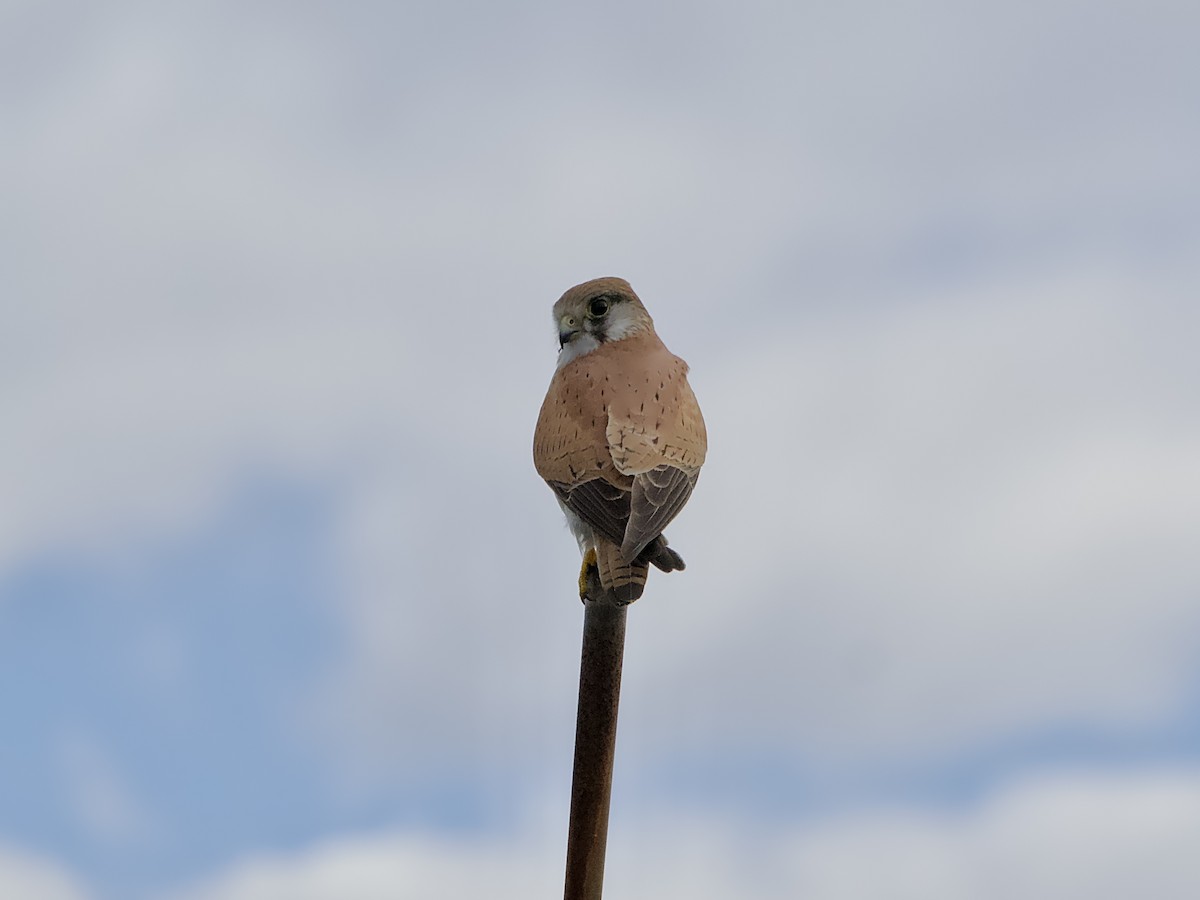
column 1066, row 836
column 30, row 877
column 936, row 319
column 402, row 865
column 996, row 482
column 921, row 530
column 1081, row 835
column 935, row 272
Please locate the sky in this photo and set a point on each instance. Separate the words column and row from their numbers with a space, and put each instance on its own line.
column 285, row 611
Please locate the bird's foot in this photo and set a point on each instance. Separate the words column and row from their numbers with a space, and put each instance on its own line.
column 589, row 562
column 661, row 556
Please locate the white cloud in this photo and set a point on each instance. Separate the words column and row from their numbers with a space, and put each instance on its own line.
column 936, row 275
column 28, row 877
column 925, row 529
column 1002, row 489
column 1069, row 836
column 405, row 865
column 987, row 521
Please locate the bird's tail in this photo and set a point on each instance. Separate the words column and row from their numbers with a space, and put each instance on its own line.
column 627, row 580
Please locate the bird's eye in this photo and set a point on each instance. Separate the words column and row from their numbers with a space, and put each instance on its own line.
column 598, row 307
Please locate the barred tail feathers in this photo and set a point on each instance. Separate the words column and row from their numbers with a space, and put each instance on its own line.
column 626, row 580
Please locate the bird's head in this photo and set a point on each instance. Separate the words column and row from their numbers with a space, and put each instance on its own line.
column 596, row 312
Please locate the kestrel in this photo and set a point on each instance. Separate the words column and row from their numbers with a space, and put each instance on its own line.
column 620, row 439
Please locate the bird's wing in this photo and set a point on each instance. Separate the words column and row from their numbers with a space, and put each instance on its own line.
column 602, row 505
column 656, row 421
column 656, row 434
column 656, row 498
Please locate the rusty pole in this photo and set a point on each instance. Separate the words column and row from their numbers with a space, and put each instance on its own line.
column 595, row 742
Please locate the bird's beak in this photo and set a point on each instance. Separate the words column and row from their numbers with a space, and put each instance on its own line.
column 567, row 329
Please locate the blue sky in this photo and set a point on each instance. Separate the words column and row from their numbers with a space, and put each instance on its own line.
column 275, row 330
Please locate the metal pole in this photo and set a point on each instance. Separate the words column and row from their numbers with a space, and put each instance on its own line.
column 595, row 743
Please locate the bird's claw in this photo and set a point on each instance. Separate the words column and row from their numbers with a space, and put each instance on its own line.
column 589, row 561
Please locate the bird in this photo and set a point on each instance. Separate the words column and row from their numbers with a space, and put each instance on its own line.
column 620, row 438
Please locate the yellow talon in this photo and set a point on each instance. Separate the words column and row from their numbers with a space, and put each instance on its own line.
column 589, row 560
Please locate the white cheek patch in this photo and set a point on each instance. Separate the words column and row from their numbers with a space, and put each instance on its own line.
column 620, row 323
column 583, row 343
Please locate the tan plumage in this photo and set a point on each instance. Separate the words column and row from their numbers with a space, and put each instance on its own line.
column 620, row 438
